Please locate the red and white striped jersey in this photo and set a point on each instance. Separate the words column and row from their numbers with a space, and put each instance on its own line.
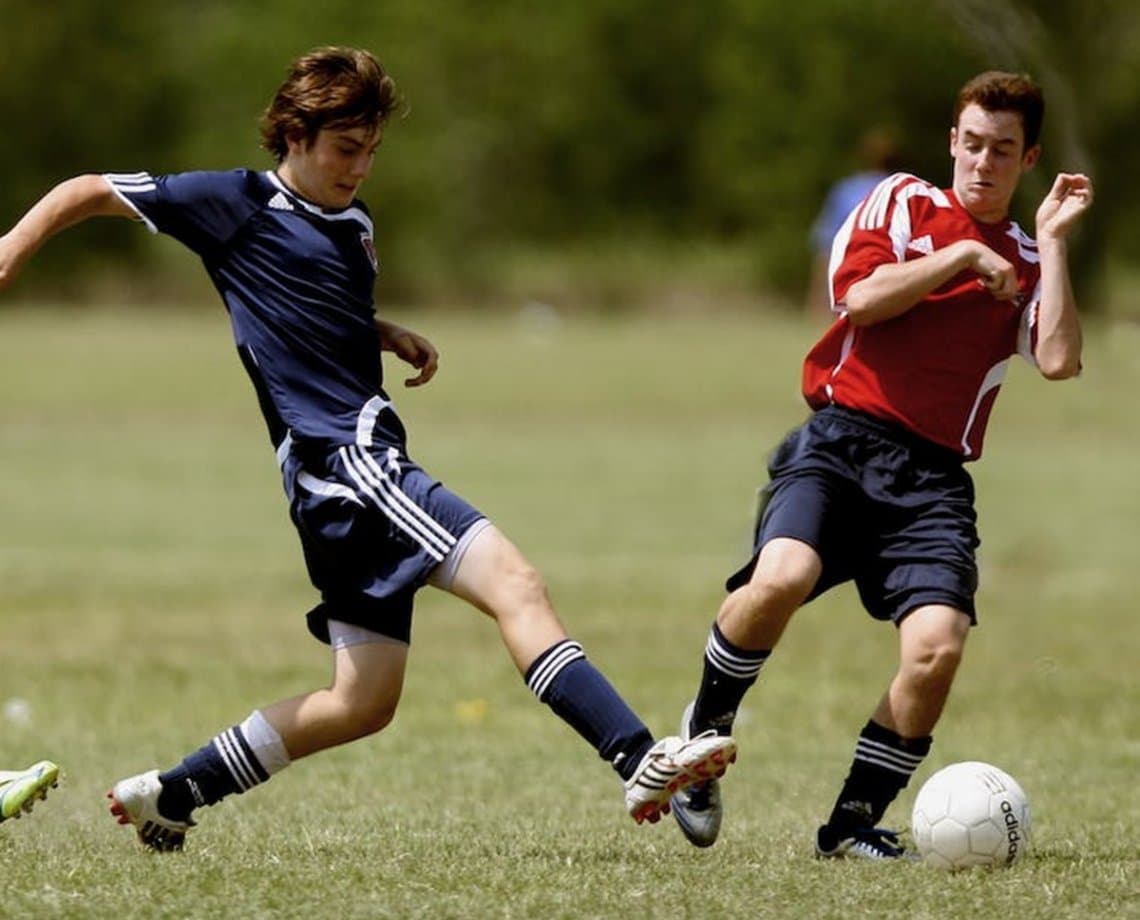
column 936, row 369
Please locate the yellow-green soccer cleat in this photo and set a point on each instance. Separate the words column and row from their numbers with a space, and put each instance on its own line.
column 19, row 789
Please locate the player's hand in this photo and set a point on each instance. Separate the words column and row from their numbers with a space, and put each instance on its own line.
column 996, row 274
column 410, row 347
column 1069, row 198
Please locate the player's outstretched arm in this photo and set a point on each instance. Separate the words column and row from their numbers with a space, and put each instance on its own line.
column 411, row 347
column 69, row 203
column 1058, row 349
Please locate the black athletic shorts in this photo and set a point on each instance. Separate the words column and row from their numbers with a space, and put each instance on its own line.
column 373, row 527
column 881, row 506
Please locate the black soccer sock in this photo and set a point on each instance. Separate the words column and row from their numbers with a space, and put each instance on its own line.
column 883, row 765
column 728, row 673
column 234, row 761
column 581, row 696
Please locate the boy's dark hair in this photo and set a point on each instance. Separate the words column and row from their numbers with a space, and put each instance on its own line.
column 327, row 88
column 998, row 91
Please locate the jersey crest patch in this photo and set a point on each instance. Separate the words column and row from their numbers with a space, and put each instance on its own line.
column 370, row 250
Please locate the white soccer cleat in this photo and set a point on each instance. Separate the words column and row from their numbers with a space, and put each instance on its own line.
column 672, row 765
column 698, row 810
column 135, row 801
column 21, row 789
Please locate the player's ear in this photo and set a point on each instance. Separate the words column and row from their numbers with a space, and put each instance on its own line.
column 1031, row 156
column 953, row 139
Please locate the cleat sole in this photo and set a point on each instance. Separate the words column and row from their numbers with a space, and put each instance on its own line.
column 696, row 761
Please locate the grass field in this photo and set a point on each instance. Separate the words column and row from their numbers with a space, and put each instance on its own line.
column 151, row 592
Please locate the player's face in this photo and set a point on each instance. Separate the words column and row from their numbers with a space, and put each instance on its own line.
column 989, row 157
column 329, row 169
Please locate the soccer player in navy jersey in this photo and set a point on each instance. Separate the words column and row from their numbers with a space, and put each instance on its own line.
column 934, row 290
column 291, row 252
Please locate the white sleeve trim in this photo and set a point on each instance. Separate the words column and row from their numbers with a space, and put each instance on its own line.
column 113, row 178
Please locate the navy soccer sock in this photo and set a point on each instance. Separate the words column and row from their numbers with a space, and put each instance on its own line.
column 728, row 673
column 234, row 761
column 581, row 696
column 884, row 763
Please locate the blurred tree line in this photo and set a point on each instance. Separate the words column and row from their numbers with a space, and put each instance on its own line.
column 604, row 126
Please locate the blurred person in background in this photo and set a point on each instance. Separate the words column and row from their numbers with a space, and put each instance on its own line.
column 878, row 156
column 934, row 290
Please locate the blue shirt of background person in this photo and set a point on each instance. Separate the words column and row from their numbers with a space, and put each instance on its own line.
column 878, row 156
column 841, row 200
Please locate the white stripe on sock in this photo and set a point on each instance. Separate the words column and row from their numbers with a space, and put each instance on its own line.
column 730, row 663
column 558, row 657
column 239, row 770
column 882, row 755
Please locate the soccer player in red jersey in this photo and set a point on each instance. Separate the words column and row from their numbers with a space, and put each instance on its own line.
column 934, row 290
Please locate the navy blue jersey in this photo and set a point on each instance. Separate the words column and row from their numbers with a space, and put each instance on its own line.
column 297, row 282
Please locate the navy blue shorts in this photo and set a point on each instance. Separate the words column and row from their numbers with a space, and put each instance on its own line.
column 883, row 507
column 373, row 527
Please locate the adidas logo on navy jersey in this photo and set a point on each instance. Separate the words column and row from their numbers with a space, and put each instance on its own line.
column 280, row 203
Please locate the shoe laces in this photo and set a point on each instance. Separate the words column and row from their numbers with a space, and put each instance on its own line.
column 876, row 843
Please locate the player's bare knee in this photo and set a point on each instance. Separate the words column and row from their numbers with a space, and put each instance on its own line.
column 361, row 718
column 378, row 719
column 363, row 710
column 936, row 661
column 523, row 589
column 770, row 594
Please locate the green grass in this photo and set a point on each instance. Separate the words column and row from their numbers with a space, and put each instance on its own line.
column 151, row 593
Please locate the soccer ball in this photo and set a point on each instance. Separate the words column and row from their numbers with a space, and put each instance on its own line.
column 970, row 814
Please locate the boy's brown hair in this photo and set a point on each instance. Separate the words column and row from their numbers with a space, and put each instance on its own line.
column 329, row 87
column 998, row 91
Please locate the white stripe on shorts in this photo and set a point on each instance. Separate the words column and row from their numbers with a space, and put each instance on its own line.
column 373, row 482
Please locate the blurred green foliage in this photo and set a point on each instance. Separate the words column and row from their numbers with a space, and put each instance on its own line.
column 551, row 128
